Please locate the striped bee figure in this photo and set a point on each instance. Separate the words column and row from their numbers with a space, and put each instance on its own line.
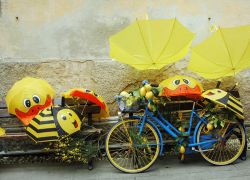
column 226, row 100
column 53, row 124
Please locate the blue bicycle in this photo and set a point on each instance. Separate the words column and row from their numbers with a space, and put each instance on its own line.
column 135, row 142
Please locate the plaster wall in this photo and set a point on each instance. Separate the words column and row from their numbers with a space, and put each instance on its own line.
column 66, row 41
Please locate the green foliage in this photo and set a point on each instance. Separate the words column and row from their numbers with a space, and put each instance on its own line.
column 218, row 116
column 75, row 149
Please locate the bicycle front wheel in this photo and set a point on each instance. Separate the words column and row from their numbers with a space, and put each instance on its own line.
column 229, row 146
column 129, row 151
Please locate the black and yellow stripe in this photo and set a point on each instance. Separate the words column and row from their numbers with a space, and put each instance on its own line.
column 236, row 106
column 42, row 128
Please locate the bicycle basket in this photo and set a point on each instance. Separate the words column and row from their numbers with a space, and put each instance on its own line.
column 130, row 104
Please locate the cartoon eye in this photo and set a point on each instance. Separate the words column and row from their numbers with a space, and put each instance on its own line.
column 186, row 81
column 176, row 82
column 36, row 99
column 63, row 117
column 69, row 114
column 26, row 103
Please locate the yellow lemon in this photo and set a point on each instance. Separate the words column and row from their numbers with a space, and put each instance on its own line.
column 148, row 87
column 150, row 107
column 149, row 95
column 182, row 150
column 143, row 91
column 210, row 126
column 181, row 129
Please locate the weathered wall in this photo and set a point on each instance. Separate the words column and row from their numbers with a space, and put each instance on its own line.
column 66, row 41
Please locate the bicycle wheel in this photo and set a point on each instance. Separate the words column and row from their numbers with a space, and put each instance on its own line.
column 130, row 152
column 229, row 146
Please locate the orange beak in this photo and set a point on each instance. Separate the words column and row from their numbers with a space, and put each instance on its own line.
column 33, row 111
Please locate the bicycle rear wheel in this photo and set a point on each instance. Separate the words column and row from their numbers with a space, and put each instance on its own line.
column 229, row 146
column 129, row 151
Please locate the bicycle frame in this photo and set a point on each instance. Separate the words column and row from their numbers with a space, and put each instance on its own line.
column 171, row 130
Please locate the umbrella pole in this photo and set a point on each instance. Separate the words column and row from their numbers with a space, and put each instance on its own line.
column 218, row 84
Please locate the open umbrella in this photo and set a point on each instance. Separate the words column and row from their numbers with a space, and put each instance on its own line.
column 225, row 53
column 42, row 128
column 28, row 97
column 53, row 124
column 88, row 96
column 151, row 44
column 181, row 86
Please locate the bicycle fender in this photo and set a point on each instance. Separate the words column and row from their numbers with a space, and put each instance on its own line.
column 196, row 131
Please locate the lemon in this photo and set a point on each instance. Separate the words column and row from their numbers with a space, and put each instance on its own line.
column 182, row 150
column 150, row 107
column 148, row 87
column 149, row 95
column 210, row 126
column 181, row 129
column 143, row 91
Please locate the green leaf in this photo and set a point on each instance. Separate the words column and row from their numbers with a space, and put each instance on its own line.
column 222, row 123
column 215, row 124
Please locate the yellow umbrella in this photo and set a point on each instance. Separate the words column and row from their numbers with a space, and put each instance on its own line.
column 225, row 53
column 28, row 97
column 151, row 44
column 53, row 124
column 181, row 86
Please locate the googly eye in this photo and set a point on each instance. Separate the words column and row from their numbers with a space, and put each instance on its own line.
column 36, row 99
column 26, row 103
column 176, row 82
column 186, row 81
column 63, row 117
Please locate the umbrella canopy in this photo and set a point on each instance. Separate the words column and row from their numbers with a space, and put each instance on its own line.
column 225, row 53
column 53, row 124
column 42, row 128
column 151, row 44
column 225, row 100
column 181, row 86
column 28, row 97
column 90, row 96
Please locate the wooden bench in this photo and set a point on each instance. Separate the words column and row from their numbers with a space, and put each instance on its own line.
column 15, row 130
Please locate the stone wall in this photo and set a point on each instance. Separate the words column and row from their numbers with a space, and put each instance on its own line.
column 66, row 42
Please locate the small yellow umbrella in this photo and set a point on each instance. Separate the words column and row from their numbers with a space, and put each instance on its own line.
column 151, row 44
column 28, row 97
column 225, row 53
